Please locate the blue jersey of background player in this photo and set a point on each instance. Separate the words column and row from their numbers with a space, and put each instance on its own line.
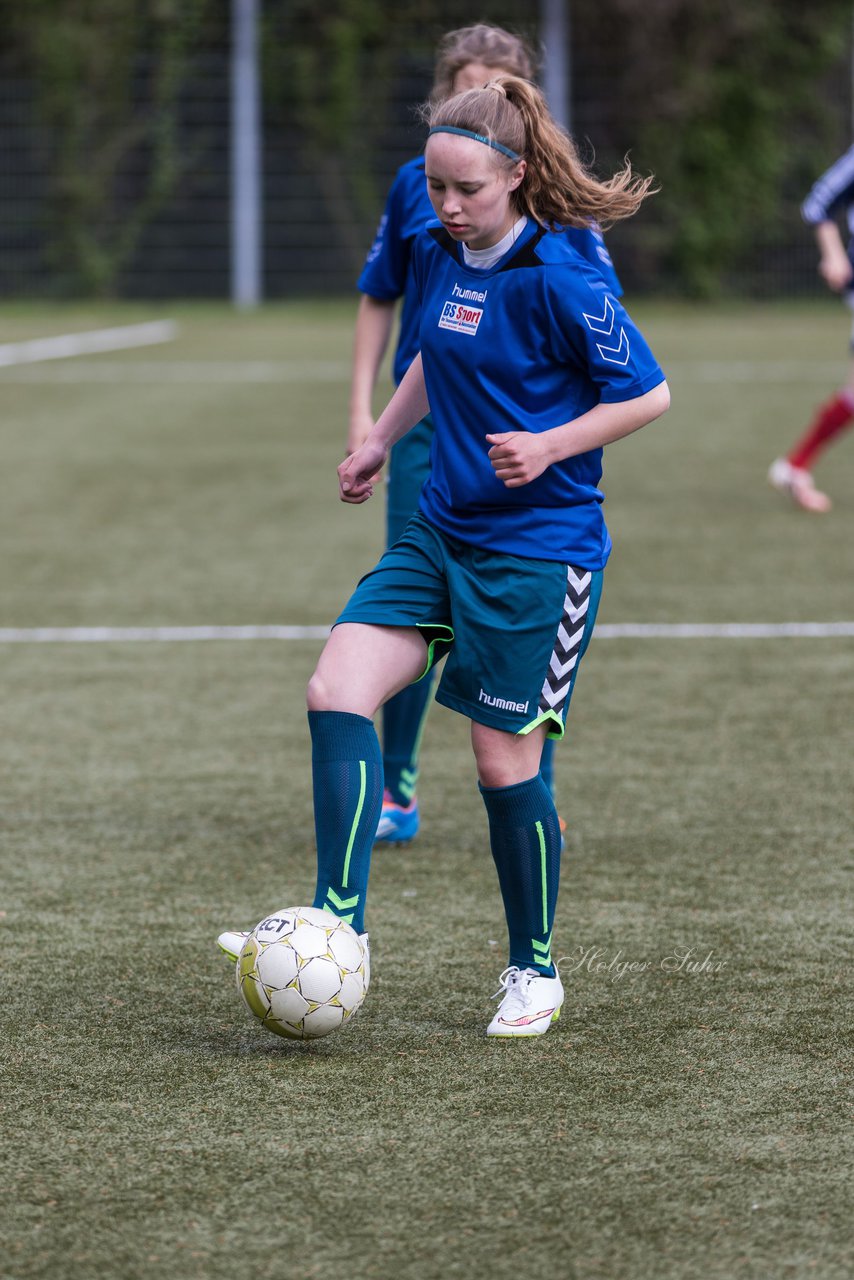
column 831, row 199
column 467, row 58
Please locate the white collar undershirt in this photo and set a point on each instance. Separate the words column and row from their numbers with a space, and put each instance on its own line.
column 484, row 258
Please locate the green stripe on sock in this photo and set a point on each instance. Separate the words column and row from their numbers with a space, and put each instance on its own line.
column 416, row 746
column 341, row 903
column 541, row 835
column 406, row 784
column 542, row 950
column 363, row 775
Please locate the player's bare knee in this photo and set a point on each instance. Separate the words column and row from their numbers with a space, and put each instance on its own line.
column 318, row 696
column 328, row 691
column 504, row 759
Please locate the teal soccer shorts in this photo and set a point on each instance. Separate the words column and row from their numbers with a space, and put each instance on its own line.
column 514, row 629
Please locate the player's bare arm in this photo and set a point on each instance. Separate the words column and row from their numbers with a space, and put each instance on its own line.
column 374, row 322
column 834, row 264
column 408, row 405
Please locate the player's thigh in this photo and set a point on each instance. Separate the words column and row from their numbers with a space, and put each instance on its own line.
column 362, row 666
column 408, row 588
column 395, row 625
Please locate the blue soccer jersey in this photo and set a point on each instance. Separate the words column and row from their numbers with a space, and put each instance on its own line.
column 526, row 345
column 387, row 273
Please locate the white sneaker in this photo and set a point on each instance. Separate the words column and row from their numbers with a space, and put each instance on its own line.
column 798, row 485
column 532, row 1002
column 231, row 943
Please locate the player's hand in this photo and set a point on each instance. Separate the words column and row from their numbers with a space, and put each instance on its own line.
column 518, row 457
column 835, row 269
column 356, row 474
column 359, row 428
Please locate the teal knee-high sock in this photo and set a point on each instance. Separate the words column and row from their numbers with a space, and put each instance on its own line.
column 347, row 772
column 547, row 764
column 404, row 717
column 525, row 839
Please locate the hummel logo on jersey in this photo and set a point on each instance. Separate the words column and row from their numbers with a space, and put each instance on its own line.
column 459, row 316
column 501, row 703
column 469, row 295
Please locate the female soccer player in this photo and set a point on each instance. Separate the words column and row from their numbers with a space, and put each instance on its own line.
column 832, row 194
column 528, row 366
column 466, row 59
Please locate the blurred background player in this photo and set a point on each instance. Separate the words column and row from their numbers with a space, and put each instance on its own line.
column 832, row 195
column 466, row 58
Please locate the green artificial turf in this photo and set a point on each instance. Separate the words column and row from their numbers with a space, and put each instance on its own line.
column 690, row 1114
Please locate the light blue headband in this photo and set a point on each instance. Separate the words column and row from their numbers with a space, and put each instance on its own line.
column 478, row 137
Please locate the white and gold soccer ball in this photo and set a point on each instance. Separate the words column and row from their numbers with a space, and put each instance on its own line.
column 303, row 972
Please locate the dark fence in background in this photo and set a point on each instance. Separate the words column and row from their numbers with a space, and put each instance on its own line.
column 325, row 175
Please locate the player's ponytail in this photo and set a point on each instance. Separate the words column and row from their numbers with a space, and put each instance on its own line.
column 558, row 189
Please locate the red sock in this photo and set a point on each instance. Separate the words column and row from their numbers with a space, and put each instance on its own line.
column 829, row 420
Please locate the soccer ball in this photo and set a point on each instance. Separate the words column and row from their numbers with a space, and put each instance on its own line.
column 303, row 972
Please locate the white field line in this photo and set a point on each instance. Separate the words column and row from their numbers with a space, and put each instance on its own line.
column 745, row 371
column 273, row 372
column 722, row 630
column 87, row 343
column 606, row 631
column 203, row 372
column 121, row 635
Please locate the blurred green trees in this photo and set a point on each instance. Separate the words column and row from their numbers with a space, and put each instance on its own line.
column 107, row 76
column 736, row 106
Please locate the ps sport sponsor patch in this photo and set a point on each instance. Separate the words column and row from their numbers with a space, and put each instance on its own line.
column 460, row 316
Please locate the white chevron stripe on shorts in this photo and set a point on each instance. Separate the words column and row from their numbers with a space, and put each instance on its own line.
column 578, row 584
column 570, row 634
column 564, row 636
